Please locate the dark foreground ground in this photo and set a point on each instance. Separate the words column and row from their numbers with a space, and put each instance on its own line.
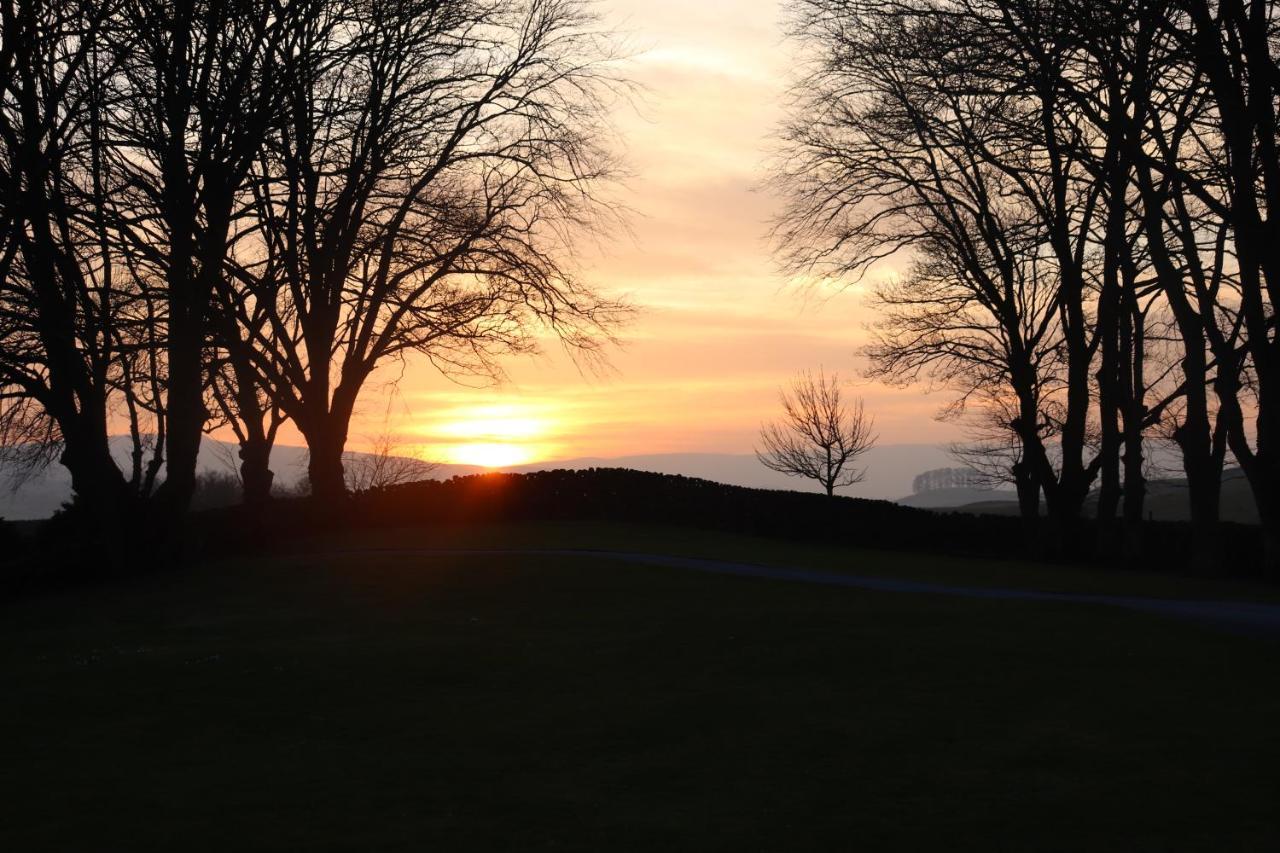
column 313, row 701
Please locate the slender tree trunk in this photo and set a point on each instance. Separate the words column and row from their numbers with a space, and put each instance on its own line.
column 1135, row 493
column 1027, row 473
column 1134, row 411
column 1028, row 488
column 1244, row 91
column 191, row 280
column 1261, row 463
column 1067, row 506
column 256, row 440
column 1193, row 436
column 1110, row 491
column 1109, row 408
column 1113, row 365
column 1262, row 469
column 1064, row 495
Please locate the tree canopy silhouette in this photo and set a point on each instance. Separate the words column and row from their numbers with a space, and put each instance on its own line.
column 234, row 212
column 1080, row 190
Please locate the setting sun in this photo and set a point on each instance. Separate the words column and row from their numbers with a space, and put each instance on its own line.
column 490, row 454
column 491, row 436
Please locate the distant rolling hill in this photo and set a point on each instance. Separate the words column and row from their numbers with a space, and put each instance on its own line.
column 890, row 470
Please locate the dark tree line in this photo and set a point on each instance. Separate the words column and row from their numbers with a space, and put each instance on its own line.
column 1088, row 197
column 231, row 212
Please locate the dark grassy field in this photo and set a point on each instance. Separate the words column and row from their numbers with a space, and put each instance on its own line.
column 381, row 702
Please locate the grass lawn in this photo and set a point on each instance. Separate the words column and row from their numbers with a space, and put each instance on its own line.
column 381, row 702
column 692, row 542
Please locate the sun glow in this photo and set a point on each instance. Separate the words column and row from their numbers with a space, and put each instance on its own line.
column 490, row 454
column 491, row 436
column 499, row 422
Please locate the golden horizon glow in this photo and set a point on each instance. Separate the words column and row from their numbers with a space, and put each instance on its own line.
column 491, row 435
column 490, row 454
column 503, row 421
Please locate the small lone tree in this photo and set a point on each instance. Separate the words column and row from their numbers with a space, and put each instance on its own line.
column 819, row 436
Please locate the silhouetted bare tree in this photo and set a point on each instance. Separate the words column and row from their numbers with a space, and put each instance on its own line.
column 130, row 129
column 1131, row 81
column 1055, row 173
column 439, row 161
column 1231, row 166
column 384, row 464
column 911, row 131
column 254, row 418
column 820, row 436
column 200, row 86
column 74, row 335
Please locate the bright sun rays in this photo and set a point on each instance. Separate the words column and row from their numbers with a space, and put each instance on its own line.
column 491, row 436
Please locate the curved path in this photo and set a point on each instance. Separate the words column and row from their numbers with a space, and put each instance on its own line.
column 1237, row 617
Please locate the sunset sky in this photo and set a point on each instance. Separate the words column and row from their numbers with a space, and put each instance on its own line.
column 719, row 328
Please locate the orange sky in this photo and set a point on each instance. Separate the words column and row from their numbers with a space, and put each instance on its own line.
column 719, row 329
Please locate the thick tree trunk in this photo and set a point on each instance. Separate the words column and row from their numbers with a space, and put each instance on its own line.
column 95, row 478
column 186, row 418
column 326, row 433
column 256, row 476
column 1204, row 488
column 106, row 520
column 324, row 466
